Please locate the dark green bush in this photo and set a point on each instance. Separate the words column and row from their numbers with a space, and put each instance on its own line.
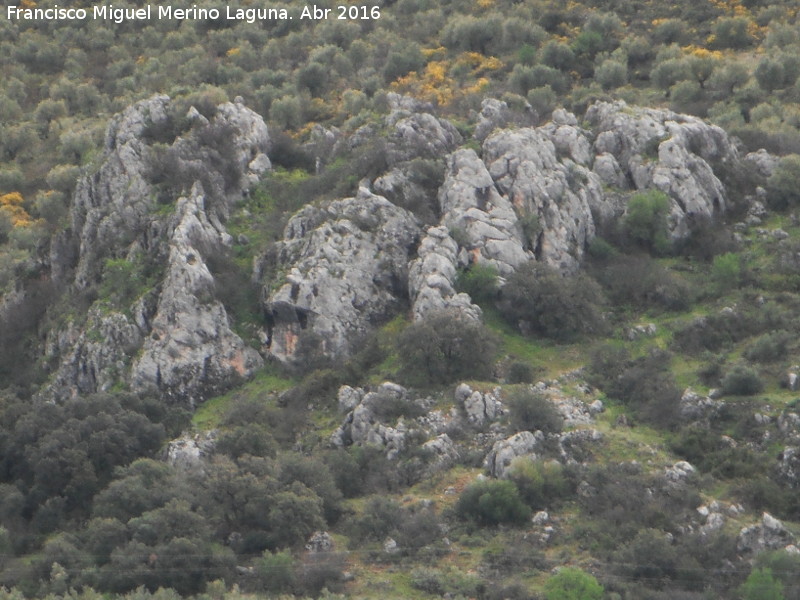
column 492, row 502
column 645, row 222
column 539, row 300
column 742, row 381
column 769, row 347
column 542, row 485
column 479, row 281
column 530, row 411
column 445, row 347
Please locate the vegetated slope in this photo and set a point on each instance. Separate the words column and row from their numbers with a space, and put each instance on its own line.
column 572, row 306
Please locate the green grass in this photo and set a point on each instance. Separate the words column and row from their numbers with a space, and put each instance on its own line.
column 264, row 385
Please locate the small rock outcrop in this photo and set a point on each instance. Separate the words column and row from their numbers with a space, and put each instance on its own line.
column 346, row 269
column 432, row 277
column 480, row 407
column 770, row 534
column 505, row 451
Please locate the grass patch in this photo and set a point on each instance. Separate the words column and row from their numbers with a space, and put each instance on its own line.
column 265, row 384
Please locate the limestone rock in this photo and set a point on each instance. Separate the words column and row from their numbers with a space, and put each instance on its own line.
column 679, row 472
column 444, row 451
column 559, row 193
column 505, row 451
column 485, row 221
column 432, row 276
column 320, row 541
column 693, row 407
column 346, row 265
column 764, row 161
column 481, row 408
column 659, row 149
column 770, row 534
column 178, row 333
column 363, row 424
column 188, row 452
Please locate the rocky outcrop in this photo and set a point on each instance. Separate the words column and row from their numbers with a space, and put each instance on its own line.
column 177, row 331
column 191, row 351
column 674, row 153
column 189, row 452
column 770, row 534
column 94, row 358
column 480, row 407
column 346, row 269
column 363, row 424
column 479, row 217
column 432, row 276
column 505, row 451
column 550, row 187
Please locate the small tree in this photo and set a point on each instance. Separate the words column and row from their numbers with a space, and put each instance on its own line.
column 783, row 186
column 571, row 583
column 531, row 411
column 646, row 221
column 761, row 585
column 445, row 347
column 492, row 502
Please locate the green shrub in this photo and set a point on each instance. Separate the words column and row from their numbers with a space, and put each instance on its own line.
column 530, row 411
column 726, row 271
column 645, row 222
column 519, row 372
column 541, row 484
column 571, row 583
column 492, row 502
column 479, row 281
column 445, row 347
column 539, row 300
column 761, row 585
column 742, row 381
column 783, row 186
column 769, row 347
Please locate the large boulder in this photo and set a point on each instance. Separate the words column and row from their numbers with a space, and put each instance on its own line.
column 346, row 269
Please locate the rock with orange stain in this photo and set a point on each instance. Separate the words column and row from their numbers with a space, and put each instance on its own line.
column 346, row 265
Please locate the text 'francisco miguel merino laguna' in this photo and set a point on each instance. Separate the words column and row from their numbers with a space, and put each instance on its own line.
column 107, row 12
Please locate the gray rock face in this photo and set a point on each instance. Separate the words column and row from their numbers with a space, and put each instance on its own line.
column 694, row 407
column 181, row 335
column 363, row 426
column 346, row 266
column 191, row 351
column 95, row 358
column 432, row 276
column 189, row 452
column 505, row 451
column 444, row 452
column 481, row 408
column 770, row 534
column 559, row 193
column 659, row 149
column 484, row 220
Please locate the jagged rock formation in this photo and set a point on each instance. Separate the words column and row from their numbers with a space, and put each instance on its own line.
column 505, row 451
column 346, row 269
column 483, row 220
column 185, row 345
column 432, row 278
column 363, row 425
column 770, row 534
column 480, row 408
column 191, row 350
column 674, row 153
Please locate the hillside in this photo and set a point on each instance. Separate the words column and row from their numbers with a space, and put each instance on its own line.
column 481, row 300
